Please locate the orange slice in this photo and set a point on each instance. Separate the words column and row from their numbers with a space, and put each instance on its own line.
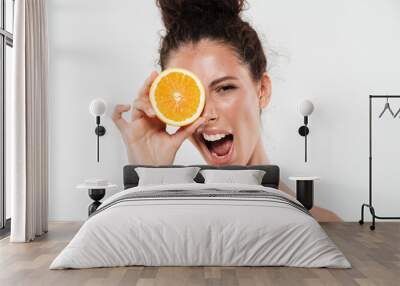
column 177, row 96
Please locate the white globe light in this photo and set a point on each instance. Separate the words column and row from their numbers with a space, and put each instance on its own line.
column 306, row 107
column 97, row 107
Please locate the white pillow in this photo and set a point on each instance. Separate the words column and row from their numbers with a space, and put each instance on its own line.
column 162, row 176
column 248, row 177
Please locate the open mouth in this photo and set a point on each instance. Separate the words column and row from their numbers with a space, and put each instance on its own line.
column 219, row 146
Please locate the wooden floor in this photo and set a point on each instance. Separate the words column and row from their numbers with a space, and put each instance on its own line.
column 375, row 257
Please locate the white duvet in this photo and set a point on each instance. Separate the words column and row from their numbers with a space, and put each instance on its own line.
column 200, row 231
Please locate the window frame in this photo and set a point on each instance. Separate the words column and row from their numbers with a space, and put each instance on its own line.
column 6, row 39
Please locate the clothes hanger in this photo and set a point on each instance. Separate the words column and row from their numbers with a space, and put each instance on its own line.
column 397, row 113
column 387, row 107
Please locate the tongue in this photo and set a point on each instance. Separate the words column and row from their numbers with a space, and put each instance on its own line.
column 221, row 147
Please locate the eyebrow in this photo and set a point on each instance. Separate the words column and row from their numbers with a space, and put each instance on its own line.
column 217, row 81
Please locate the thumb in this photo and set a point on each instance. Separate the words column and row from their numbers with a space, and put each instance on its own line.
column 185, row 132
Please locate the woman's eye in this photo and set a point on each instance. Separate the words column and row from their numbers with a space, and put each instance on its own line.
column 226, row 88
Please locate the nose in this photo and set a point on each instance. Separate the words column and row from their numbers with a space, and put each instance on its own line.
column 210, row 110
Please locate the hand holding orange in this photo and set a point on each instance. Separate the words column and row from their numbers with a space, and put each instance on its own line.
column 178, row 99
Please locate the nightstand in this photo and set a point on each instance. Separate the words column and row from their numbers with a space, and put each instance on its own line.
column 96, row 193
column 305, row 190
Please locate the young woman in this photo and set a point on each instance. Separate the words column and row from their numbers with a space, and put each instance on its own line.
column 209, row 38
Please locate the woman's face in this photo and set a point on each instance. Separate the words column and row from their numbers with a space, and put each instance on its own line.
column 233, row 102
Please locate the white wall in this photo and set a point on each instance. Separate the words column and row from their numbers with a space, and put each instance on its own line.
column 333, row 52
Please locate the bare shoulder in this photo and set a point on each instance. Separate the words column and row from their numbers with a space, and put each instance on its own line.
column 324, row 215
column 320, row 214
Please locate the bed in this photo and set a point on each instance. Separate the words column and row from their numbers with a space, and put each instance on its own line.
column 199, row 224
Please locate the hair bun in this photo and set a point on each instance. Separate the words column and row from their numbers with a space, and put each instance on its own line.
column 177, row 12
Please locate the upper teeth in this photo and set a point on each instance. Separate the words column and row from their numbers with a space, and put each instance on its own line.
column 214, row 137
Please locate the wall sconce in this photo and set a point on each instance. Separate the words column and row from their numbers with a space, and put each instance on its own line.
column 306, row 108
column 98, row 108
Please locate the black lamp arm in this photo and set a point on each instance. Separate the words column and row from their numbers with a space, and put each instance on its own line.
column 305, row 120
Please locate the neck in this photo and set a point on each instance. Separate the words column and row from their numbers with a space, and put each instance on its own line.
column 259, row 156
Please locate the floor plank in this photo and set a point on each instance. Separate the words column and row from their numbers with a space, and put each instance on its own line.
column 375, row 257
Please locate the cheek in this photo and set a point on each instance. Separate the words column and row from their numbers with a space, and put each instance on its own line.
column 248, row 119
column 244, row 113
column 240, row 111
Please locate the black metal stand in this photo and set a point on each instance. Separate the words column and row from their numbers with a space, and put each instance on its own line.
column 96, row 195
column 369, row 205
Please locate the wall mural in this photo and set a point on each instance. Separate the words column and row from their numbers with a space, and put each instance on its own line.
column 213, row 88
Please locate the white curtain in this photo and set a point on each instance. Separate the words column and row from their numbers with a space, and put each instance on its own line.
column 27, row 122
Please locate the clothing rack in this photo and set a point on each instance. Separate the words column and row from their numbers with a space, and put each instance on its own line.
column 370, row 205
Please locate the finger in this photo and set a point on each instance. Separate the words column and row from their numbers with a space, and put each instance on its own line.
column 144, row 91
column 142, row 108
column 185, row 132
column 119, row 109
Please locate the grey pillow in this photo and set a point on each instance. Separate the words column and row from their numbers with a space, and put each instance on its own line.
column 162, row 176
column 248, row 177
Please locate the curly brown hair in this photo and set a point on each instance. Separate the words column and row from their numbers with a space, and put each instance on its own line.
column 189, row 21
